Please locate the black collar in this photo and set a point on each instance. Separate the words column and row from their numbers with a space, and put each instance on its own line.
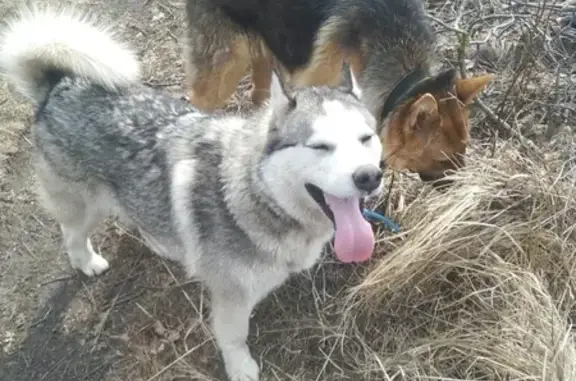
column 402, row 90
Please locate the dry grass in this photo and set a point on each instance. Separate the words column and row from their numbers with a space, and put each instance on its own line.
column 483, row 284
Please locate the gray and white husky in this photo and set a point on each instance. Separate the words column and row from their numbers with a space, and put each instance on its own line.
column 240, row 203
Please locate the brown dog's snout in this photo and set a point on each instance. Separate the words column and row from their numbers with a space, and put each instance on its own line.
column 431, row 176
column 438, row 179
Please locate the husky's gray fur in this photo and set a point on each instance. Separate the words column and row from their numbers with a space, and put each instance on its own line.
column 226, row 197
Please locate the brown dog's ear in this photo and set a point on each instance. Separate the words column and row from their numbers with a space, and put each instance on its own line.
column 425, row 105
column 468, row 89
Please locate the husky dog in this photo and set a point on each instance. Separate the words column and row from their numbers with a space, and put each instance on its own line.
column 240, row 203
column 422, row 117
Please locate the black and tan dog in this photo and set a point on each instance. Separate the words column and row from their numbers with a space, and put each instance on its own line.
column 423, row 117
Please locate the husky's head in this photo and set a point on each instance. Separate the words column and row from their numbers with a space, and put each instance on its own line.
column 322, row 158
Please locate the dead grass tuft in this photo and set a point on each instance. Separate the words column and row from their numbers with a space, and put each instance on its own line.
column 481, row 285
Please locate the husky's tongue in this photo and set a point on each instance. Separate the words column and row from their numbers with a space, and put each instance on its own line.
column 354, row 239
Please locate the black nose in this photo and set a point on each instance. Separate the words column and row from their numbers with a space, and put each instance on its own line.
column 367, row 178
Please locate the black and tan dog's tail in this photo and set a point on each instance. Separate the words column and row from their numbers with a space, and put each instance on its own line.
column 40, row 46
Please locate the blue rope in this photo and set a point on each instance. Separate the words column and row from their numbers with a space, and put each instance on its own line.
column 377, row 217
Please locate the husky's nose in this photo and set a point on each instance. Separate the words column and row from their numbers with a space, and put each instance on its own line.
column 367, row 178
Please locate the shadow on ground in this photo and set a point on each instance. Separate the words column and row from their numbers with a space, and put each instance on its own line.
column 49, row 354
column 71, row 343
column 143, row 320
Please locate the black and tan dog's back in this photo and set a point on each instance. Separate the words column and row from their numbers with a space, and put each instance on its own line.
column 423, row 117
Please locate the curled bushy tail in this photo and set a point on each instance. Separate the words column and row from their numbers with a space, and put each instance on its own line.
column 40, row 46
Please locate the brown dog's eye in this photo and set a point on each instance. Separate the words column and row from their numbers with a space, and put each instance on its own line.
column 455, row 162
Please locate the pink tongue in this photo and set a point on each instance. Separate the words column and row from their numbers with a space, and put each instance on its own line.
column 354, row 239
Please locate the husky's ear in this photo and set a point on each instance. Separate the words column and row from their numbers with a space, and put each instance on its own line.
column 348, row 81
column 280, row 94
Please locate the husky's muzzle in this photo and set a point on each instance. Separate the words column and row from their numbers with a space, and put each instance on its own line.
column 318, row 195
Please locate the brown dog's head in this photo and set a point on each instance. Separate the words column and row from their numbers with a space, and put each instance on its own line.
column 428, row 133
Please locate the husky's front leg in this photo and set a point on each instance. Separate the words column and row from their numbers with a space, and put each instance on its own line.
column 231, row 319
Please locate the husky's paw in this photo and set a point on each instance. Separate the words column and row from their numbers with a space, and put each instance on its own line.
column 242, row 368
column 95, row 266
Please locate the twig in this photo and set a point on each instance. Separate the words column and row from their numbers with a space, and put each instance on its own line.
column 42, row 319
column 463, row 41
column 174, row 37
column 552, row 123
column 387, row 200
column 453, row 29
column 100, row 326
column 60, row 279
column 160, row 84
column 460, row 14
column 503, row 124
column 177, row 360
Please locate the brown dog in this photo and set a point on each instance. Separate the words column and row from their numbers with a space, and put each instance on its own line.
column 423, row 117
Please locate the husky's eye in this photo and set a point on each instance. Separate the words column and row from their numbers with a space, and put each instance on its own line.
column 278, row 145
column 366, row 138
column 321, row 147
column 284, row 146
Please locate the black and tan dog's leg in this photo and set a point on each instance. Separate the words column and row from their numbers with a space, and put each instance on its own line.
column 213, row 77
column 324, row 68
column 261, row 78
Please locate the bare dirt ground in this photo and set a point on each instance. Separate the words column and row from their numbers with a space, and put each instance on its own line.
column 481, row 285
